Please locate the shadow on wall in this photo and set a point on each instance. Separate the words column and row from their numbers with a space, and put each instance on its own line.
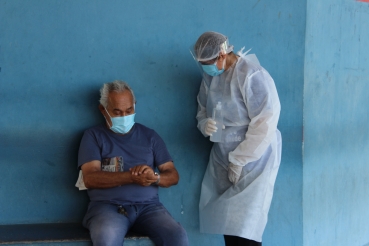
column 41, row 161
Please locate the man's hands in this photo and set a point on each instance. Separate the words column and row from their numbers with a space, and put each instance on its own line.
column 143, row 175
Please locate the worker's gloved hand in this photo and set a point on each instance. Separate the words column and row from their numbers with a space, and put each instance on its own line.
column 234, row 173
column 210, row 126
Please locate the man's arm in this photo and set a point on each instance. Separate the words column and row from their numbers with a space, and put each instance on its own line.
column 168, row 175
column 94, row 178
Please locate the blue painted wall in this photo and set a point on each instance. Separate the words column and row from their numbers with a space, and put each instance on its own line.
column 55, row 55
column 336, row 137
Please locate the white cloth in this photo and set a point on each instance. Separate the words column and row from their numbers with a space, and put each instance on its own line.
column 250, row 139
column 80, row 184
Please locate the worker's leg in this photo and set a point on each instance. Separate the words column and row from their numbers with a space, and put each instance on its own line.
column 239, row 241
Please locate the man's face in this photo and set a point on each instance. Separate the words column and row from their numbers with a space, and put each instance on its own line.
column 119, row 104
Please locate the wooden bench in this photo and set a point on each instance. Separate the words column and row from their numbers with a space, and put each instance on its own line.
column 58, row 233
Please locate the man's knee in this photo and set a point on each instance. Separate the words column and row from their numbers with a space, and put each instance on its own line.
column 182, row 237
column 106, row 236
column 106, row 226
column 178, row 236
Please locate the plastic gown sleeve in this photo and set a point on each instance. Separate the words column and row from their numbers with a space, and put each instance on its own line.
column 201, row 110
column 262, row 102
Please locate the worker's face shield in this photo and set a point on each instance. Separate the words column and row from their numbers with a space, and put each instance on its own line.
column 207, row 55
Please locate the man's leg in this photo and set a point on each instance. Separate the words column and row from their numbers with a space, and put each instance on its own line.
column 107, row 227
column 156, row 222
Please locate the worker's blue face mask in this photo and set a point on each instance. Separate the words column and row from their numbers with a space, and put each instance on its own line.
column 212, row 69
column 121, row 124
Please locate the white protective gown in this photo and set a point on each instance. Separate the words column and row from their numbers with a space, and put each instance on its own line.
column 250, row 107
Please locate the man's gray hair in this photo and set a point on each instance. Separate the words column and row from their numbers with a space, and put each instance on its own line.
column 117, row 86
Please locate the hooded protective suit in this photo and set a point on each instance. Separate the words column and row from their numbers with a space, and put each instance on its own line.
column 250, row 108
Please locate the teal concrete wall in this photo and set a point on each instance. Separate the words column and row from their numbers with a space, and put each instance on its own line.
column 55, row 55
column 336, row 136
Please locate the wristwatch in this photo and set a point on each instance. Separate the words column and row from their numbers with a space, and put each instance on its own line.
column 158, row 180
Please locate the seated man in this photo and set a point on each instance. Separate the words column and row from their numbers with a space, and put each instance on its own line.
column 118, row 159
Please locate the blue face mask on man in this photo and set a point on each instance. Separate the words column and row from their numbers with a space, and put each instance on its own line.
column 122, row 124
column 212, row 69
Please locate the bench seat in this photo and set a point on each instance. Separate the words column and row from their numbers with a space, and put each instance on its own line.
column 57, row 233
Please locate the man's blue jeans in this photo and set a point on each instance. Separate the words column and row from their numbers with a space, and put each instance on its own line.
column 108, row 227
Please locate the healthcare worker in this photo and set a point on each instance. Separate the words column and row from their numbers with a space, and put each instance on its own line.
column 238, row 184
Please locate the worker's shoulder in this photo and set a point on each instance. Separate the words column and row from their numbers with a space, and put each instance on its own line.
column 251, row 70
column 249, row 66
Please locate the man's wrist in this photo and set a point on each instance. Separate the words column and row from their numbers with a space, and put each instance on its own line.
column 158, row 180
